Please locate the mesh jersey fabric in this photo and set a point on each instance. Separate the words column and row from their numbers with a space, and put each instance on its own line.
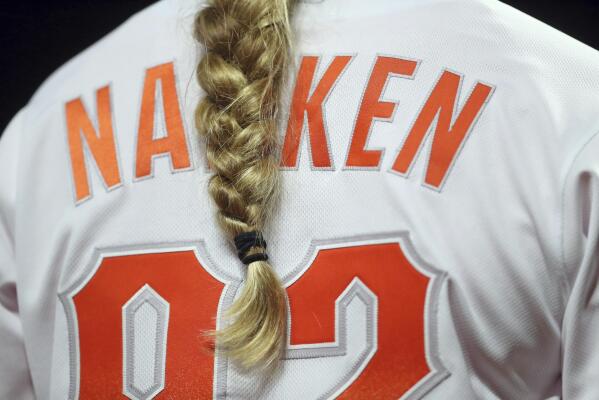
column 437, row 231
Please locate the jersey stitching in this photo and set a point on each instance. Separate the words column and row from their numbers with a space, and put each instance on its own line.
column 565, row 286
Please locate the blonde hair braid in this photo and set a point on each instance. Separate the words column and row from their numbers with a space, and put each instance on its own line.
column 247, row 51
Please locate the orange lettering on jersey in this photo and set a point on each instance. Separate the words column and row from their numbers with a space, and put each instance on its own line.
column 185, row 298
column 448, row 138
column 372, row 108
column 174, row 143
column 193, row 295
column 100, row 142
column 400, row 358
column 302, row 103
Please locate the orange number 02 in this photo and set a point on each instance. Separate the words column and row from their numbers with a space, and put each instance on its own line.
column 173, row 289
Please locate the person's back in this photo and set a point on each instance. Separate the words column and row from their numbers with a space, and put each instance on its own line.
column 436, row 232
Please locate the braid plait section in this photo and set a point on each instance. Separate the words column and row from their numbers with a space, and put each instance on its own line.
column 242, row 71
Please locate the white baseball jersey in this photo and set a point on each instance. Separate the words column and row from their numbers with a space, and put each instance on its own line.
column 437, row 233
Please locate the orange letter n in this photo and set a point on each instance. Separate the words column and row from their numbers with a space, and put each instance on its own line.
column 100, row 143
column 449, row 136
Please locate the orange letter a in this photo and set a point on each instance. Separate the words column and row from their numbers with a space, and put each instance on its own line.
column 174, row 143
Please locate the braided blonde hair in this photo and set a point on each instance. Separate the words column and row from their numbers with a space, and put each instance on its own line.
column 247, row 51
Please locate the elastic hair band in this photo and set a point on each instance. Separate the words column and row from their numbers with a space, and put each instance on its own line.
column 246, row 240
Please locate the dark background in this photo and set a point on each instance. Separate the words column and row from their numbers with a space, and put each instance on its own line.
column 39, row 36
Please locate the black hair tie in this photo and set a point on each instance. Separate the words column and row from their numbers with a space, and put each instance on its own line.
column 246, row 240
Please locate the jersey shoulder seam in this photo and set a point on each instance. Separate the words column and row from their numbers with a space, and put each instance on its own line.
column 566, row 287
